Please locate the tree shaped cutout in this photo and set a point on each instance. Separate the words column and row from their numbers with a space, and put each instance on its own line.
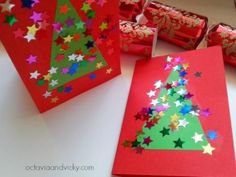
column 172, row 122
column 74, row 52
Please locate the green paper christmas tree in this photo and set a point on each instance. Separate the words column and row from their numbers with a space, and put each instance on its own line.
column 74, row 52
column 172, row 122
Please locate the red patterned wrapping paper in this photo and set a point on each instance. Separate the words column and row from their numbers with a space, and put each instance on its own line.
column 129, row 9
column 185, row 29
column 138, row 39
column 224, row 35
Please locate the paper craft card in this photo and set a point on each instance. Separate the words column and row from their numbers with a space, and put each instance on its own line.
column 61, row 48
column 177, row 120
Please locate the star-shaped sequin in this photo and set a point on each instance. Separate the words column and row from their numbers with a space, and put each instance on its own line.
column 212, row 135
column 64, row 9
column 208, row 149
column 36, row 17
column 85, row 7
column 198, row 74
column 179, row 143
column 165, row 131
column 147, row 140
column 197, row 137
column 27, row 3
column 34, row 75
column 31, row 59
column 10, row 19
column 89, row 44
column 7, row 6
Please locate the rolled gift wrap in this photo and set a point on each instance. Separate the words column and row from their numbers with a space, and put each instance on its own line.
column 129, row 9
column 185, row 29
column 224, row 35
column 138, row 39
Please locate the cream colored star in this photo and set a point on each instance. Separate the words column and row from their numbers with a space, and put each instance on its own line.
column 208, row 149
column 197, row 137
column 7, row 6
column 47, row 77
column 68, row 38
column 164, row 98
column 99, row 65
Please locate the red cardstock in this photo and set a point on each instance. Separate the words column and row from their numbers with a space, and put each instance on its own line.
column 61, row 48
column 160, row 141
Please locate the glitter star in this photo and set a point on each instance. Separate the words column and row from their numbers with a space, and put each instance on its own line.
column 198, row 74
column 86, row 7
column 99, row 65
column 31, row 59
column 34, row 75
column 208, row 149
column 64, row 9
column 151, row 93
column 103, row 26
column 53, row 70
column 47, row 94
column 165, row 131
column 36, row 17
column 53, row 83
column 27, row 3
column 10, row 19
column 109, row 71
column 18, row 33
column 183, row 123
column 147, row 140
column 32, row 29
column 7, row 6
column 197, row 137
column 179, row 143
column 29, row 37
column 158, row 84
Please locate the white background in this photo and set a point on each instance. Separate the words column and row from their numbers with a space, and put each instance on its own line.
column 85, row 130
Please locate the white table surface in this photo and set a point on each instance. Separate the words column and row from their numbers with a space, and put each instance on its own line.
column 84, row 130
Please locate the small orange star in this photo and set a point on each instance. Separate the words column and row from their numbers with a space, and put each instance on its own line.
column 155, row 120
column 76, row 37
column 64, row 9
column 65, row 47
column 54, row 100
column 93, row 50
column 109, row 71
column 173, row 126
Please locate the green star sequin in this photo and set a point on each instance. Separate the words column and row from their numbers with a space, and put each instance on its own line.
column 10, row 19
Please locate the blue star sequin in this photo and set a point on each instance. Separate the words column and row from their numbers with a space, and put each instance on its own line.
column 89, row 44
column 182, row 82
column 92, row 76
column 27, row 3
column 73, row 68
column 68, row 89
column 212, row 135
column 182, row 73
column 185, row 109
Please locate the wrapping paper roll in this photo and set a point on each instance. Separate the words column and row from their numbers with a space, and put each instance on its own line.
column 138, row 39
column 129, row 9
column 185, row 29
column 224, row 35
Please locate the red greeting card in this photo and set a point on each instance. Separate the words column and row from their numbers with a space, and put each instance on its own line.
column 61, row 48
column 177, row 120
